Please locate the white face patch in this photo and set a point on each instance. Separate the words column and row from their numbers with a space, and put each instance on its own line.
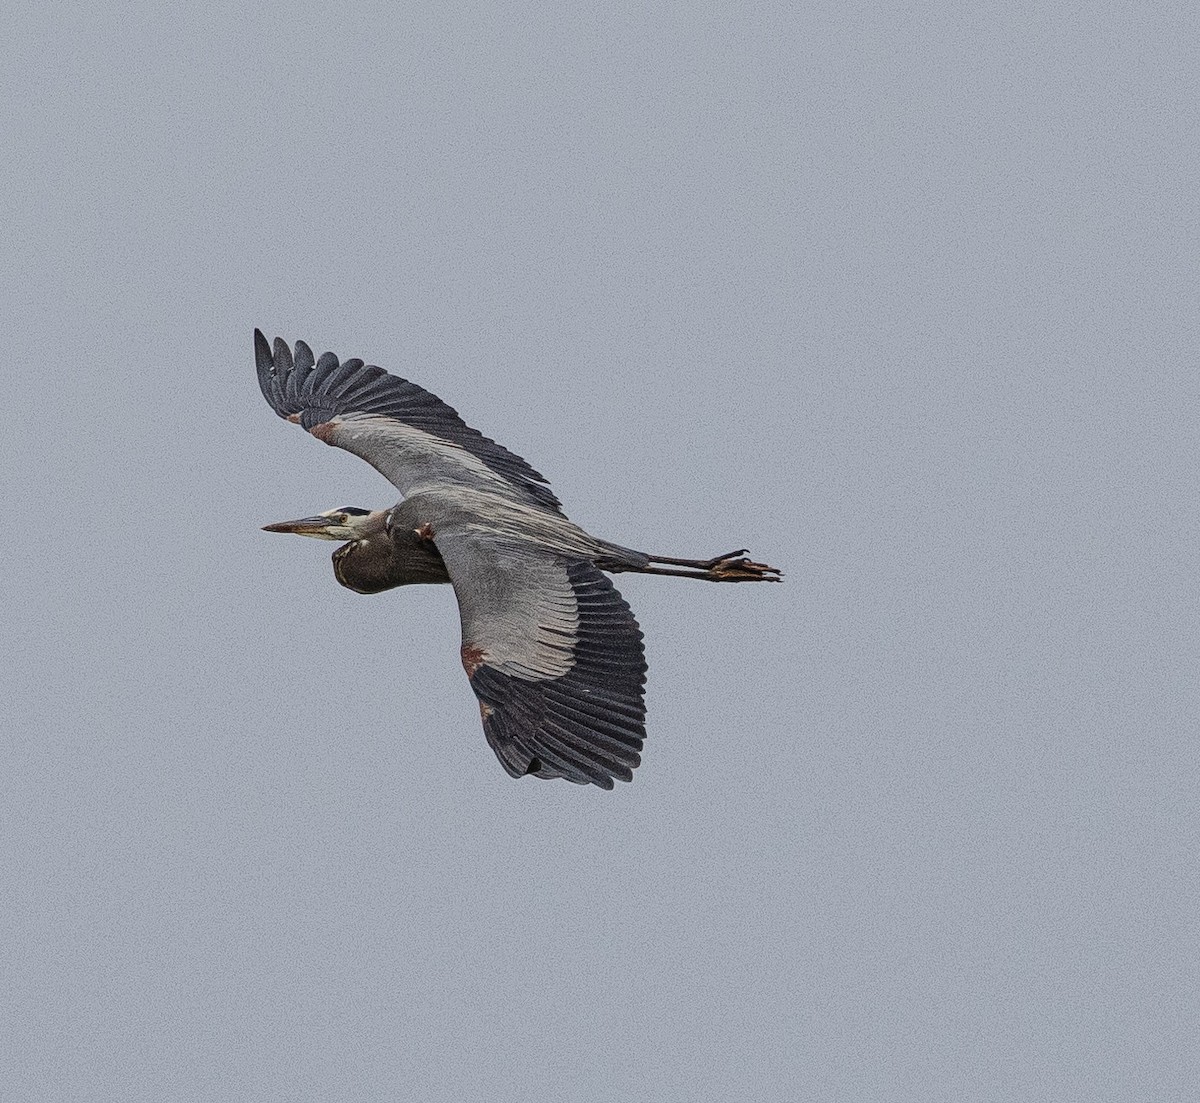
column 347, row 526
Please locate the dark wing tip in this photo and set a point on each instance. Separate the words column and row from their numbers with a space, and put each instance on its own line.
column 264, row 362
column 304, row 356
column 283, row 355
column 262, row 352
column 282, row 377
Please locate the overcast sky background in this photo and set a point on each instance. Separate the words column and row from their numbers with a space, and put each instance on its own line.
column 902, row 297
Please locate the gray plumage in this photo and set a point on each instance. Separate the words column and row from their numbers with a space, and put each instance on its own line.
column 551, row 649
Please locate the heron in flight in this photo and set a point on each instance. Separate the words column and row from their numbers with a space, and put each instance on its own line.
column 551, row 649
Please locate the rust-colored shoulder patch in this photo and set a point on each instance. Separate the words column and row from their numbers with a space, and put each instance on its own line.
column 324, row 431
column 294, row 418
column 425, row 532
column 472, row 658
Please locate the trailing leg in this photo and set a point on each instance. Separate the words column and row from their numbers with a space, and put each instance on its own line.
column 730, row 567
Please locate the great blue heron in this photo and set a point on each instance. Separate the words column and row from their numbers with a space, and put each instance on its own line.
column 551, row 649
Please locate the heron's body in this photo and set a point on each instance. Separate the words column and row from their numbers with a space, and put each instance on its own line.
column 552, row 651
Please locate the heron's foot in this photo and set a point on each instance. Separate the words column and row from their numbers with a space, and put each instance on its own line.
column 734, row 568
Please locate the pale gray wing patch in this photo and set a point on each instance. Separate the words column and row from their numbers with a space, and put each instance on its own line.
column 518, row 610
column 555, row 658
column 354, row 405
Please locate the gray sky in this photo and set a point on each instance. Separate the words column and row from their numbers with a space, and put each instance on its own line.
column 902, row 297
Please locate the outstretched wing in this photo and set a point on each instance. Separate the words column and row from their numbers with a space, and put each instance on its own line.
column 407, row 434
column 554, row 655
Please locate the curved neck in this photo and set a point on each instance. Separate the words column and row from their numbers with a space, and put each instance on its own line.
column 376, row 561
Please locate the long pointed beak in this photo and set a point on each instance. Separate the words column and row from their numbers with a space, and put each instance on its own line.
column 306, row 526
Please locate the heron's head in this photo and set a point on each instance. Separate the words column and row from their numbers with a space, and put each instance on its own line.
column 347, row 523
